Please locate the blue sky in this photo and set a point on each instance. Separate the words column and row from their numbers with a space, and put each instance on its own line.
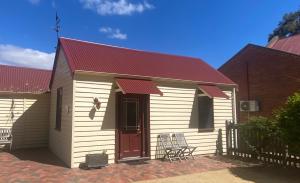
column 208, row 29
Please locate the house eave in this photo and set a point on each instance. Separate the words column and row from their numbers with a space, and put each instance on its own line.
column 20, row 93
column 82, row 72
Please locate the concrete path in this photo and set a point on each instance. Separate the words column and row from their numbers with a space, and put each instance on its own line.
column 236, row 175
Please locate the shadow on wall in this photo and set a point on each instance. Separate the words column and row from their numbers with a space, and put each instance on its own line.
column 108, row 122
column 92, row 113
column 31, row 128
column 110, row 115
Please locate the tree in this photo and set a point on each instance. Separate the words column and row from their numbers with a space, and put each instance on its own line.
column 288, row 26
column 284, row 126
column 288, row 118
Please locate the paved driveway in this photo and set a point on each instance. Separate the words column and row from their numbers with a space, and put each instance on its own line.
column 39, row 165
column 237, row 175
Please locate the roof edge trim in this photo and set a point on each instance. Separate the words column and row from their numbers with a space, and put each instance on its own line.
column 151, row 77
column 33, row 93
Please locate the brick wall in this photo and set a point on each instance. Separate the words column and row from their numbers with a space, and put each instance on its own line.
column 272, row 77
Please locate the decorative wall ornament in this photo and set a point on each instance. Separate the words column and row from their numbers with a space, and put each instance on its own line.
column 97, row 103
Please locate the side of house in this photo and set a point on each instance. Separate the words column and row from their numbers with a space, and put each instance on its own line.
column 138, row 100
column 61, row 110
column 27, row 115
column 180, row 109
column 94, row 130
column 176, row 111
column 24, row 105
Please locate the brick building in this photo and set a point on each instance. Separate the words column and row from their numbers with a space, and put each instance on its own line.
column 265, row 75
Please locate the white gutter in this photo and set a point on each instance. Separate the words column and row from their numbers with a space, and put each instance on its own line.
column 150, row 77
column 13, row 92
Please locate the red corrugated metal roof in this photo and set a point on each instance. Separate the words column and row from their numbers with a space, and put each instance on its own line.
column 290, row 44
column 24, row 80
column 212, row 91
column 86, row 56
column 137, row 86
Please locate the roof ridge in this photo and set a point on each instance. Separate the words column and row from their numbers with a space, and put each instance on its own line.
column 132, row 49
column 287, row 37
column 24, row 67
column 276, row 50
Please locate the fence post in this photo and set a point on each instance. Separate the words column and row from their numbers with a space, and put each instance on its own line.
column 234, row 134
column 219, row 143
column 228, row 138
column 285, row 156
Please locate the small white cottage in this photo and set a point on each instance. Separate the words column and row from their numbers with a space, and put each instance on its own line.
column 24, row 105
column 107, row 98
column 118, row 100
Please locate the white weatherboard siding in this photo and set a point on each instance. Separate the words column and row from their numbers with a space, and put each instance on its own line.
column 94, row 130
column 61, row 141
column 177, row 111
column 28, row 117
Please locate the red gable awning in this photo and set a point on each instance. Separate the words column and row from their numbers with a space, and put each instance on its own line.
column 137, row 86
column 212, row 91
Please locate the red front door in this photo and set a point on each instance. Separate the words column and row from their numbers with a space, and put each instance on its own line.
column 131, row 115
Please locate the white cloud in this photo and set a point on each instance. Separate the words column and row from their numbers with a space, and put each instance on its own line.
column 116, row 7
column 34, row 1
column 14, row 55
column 113, row 33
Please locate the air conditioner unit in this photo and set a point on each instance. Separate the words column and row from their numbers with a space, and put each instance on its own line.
column 250, row 106
column 96, row 160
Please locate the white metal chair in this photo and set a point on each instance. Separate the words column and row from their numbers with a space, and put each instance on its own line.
column 6, row 137
column 187, row 151
column 172, row 152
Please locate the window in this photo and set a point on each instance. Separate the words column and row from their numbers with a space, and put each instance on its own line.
column 131, row 111
column 58, row 108
column 206, row 113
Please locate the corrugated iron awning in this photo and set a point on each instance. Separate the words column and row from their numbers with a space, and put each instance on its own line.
column 137, row 86
column 212, row 91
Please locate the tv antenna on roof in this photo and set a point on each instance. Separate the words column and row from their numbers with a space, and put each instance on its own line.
column 57, row 25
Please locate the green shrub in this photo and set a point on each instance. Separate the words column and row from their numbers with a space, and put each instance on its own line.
column 259, row 133
column 263, row 124
column 288, row 118
column 284, row 126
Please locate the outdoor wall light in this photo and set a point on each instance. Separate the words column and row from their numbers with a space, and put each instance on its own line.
column 97, row 103
column 68, row 109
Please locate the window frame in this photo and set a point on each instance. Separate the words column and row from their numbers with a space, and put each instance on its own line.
column 211, row 106
column 59, row 108
column 125, row 105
